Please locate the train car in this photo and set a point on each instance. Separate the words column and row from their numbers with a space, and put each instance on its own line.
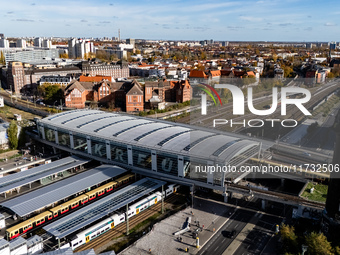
column 144, row 204
column 97, row 192
column 23, row 227
column 172, row 188
column 109, row 223
column 77, row 201
column 110, row 186
column 125, row 179
column 91, row 194
column 43, row 217
column 96, row 230
column 26, row 225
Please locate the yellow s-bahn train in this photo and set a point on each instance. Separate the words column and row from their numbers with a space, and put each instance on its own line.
column 54, row 212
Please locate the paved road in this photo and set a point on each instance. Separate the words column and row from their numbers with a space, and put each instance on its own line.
column 258, row 238
column 221, row 240
column 324, row 136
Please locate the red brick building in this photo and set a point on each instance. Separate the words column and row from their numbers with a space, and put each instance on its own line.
column 126, row 95
column 167, row 91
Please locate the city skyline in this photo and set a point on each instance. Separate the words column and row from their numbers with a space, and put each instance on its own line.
column 290, row 20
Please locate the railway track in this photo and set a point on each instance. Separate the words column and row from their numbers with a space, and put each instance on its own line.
column 121, row 228
column 226, row 111
column 280, row 195
column 39, row 228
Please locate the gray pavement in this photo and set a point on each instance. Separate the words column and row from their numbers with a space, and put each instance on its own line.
column 210, row 214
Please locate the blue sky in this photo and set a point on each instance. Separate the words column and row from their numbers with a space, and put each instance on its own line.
column 256, row 20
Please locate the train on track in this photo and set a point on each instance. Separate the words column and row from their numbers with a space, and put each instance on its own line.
column 58, row 210
column 109, row 223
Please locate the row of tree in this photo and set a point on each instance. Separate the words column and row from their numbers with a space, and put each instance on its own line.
column 317, row 243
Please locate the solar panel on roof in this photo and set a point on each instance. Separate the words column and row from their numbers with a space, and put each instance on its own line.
column 161, row 143
column 101, row 208
column 81, row 116
column 91, row 121
column 224, row 147
column 111, row 124
column 149, row 133
column 191, row 145
column 127, row 129
column 39, row 198
column 22, row 178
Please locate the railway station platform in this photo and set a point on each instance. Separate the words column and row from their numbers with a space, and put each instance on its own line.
column 16, row 181
column 45, row 197
column 101, row 208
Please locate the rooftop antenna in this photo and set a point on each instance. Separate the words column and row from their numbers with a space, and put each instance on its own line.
column 119, row 35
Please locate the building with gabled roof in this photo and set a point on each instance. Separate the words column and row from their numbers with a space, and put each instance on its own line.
column 126, row 95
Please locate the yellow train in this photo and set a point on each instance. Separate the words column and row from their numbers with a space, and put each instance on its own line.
column 54, row 212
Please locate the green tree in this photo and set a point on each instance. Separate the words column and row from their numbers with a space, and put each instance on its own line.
column 288, row 71
column 51, row 93
column 2, row 58
column 318, row 245
column 289, row 238
column 12, row 133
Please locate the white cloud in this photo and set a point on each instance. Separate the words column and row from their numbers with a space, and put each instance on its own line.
column 329, row 24
column 250, row 18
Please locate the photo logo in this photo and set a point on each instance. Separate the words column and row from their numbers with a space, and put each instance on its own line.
column 239, row 99
column 204, row 97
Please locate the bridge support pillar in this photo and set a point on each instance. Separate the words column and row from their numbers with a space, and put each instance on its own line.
column 225, row 197
column 282, row 182
column 54, row 150
column 263, row 204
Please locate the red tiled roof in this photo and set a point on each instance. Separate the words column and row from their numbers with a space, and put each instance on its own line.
column 97, row 78
column 215, row 73
column 197, row 74
column 250, row 73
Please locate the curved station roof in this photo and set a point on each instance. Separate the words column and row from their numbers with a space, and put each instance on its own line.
column 151, row 133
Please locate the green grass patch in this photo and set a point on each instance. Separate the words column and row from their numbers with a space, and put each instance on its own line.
column 319, row 194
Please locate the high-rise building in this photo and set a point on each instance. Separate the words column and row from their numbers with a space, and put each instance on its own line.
column 4, row 43
column 15, row 76
column 332, row 45
column 80, row 49
column 2, row 36
column 225, row 44
column 130, row 41
column 72, row 48
column 47, row 43
column 333, row 195
column 309, row 45
column 38, row 42
column 21, row 43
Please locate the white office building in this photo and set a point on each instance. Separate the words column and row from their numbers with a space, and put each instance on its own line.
column 4, row 43
column 38, row 42
column 47, row 43
column 21, row 43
